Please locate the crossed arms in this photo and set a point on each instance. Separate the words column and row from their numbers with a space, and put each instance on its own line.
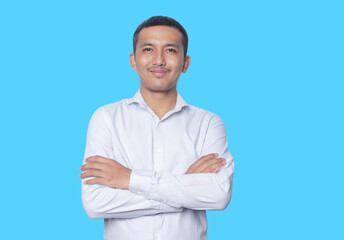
column 114, row 191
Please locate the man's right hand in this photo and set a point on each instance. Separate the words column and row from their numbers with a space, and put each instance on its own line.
column 207, row 164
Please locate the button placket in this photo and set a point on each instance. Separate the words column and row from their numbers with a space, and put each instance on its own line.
column 158, row 147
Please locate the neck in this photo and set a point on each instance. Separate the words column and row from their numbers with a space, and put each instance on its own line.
column 160, row 102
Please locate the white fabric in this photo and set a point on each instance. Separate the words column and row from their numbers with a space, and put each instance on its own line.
column 162, row 201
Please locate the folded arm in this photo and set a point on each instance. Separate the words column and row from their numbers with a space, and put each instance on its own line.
column 102, row 201
column 201, row 188
column 198, row 191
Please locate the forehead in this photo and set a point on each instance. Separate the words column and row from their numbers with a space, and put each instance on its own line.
column 160, row 35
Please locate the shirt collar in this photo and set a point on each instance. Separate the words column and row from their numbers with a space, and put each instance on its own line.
column 139, row 99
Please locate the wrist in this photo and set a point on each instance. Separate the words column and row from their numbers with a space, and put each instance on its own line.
column 127, row 179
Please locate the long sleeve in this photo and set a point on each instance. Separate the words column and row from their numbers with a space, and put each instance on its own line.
column 203, row 191
column 101, row 201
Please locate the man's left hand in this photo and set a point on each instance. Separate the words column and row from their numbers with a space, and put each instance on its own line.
column 106, row 172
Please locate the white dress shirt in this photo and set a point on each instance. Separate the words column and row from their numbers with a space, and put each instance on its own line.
column 162, row 201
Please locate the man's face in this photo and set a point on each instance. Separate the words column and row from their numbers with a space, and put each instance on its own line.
column 159, row 58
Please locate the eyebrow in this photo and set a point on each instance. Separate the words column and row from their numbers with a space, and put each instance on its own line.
column 172, row 45
column 145, row 44
column 167, row 45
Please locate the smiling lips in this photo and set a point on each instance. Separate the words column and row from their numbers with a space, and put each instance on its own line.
column 158, row 72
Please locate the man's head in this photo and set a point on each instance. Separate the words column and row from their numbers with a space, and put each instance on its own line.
column 159, row 55
column 164, row 21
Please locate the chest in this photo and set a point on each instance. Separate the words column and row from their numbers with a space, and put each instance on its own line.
column 172, row 145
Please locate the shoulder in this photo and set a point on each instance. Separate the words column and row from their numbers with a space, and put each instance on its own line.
column 111, row 108
column 108, row 111
column 201, row 113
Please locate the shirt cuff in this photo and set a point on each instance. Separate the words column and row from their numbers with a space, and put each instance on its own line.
column 142, row 182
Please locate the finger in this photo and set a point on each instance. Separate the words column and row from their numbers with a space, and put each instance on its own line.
column 214, row 167
column 95, row 181
column 210, row 164
column 209, row 156
column 92, row 165
column 203, row 163
column 92, row 173
column 204, row 158
column 216, row 170
column 98, row 159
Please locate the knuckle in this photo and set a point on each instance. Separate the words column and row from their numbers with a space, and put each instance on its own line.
column 213, row 161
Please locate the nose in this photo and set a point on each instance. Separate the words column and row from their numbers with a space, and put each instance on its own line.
column 159, row 58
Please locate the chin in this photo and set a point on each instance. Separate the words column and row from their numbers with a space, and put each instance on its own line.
column 160, row 88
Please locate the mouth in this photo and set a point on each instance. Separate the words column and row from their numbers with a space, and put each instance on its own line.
column 158, row 72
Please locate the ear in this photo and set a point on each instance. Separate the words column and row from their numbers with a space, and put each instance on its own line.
column 186, row 64
column 132, row 61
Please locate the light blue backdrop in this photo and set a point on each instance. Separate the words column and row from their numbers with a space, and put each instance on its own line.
column 272, row 70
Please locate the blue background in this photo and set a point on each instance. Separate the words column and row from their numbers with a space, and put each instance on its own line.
column 272, row 70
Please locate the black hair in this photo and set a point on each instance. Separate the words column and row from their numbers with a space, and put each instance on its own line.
column 165, row 21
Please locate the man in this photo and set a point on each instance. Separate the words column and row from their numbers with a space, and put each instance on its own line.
column 154, row 164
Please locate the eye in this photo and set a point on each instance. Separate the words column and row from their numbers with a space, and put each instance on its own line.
column 172, row 50
column 147, row 49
